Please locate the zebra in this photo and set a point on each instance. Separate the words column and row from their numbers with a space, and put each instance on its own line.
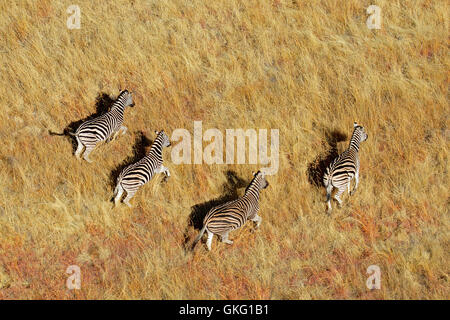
column 231, row 215
column 137, row 174
column 103, row 128
column 345, row 167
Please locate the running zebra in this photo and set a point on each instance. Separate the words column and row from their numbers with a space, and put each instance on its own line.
column 344, row 167
column 137, row 174
column 103, row 128
column 232, row 215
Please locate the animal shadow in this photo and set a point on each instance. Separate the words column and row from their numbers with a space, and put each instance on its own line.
column 140, row 147
column 316, row 169
column 199, row 211
column 103, row 103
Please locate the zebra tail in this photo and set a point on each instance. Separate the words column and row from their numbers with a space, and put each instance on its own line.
column 66, row 131
column 116, row 190
column 198, row 237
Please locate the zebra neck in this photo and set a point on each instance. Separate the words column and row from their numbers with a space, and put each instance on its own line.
column 354, row 143
column 156, row 150
column 252, row 192
column 118, row 106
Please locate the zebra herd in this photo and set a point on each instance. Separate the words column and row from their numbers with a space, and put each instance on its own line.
column 222, row 219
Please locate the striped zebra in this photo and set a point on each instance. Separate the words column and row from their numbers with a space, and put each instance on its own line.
column 137, row 174
column 103, row 128
column 229, row 216
column 344, row 168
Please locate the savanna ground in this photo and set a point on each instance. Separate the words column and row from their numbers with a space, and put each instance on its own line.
column 307, row 68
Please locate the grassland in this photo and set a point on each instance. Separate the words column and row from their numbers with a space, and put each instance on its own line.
column 307, row 68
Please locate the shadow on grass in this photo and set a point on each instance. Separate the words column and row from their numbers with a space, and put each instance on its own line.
column 103, row 103
column 199, row 211
column 316, row 168
column 140, row 148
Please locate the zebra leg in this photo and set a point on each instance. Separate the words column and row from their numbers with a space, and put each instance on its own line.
column 356, row 182
column 87, row 152
column 329, row 190
column 163, row 169
column 118, row 195
column 209, row 240
column 166, row 171
column 257, row 219
column 80, row 148
column 130, row 195
column 337, row 196
column 112, row 137
column 225, row 238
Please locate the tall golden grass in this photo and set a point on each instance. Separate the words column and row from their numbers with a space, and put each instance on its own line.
column 307, row 68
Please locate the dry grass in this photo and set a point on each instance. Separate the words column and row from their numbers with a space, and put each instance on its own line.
column 308, row 68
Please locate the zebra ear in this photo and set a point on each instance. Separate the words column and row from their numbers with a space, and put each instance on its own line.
column 156, row 131
column 355, row 124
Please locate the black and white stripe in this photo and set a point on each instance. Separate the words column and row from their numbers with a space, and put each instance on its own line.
column 104, row 127
column 343, row 168
column 137, row 174
column 232, row 215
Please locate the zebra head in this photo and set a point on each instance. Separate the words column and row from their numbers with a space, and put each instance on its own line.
column 359, row 133
column 165, row 142
column 127, row 98
column 259, row 180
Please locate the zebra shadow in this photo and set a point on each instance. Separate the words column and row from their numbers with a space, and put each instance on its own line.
column 103, row 103
column 316, row 168
column 199, row 211
column 140, row 149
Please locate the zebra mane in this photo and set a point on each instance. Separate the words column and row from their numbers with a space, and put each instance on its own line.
column 157, row 144
column 252, row 183
column 353, row 142
column 118, row 100
column 355, row 131
column 121, row 94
